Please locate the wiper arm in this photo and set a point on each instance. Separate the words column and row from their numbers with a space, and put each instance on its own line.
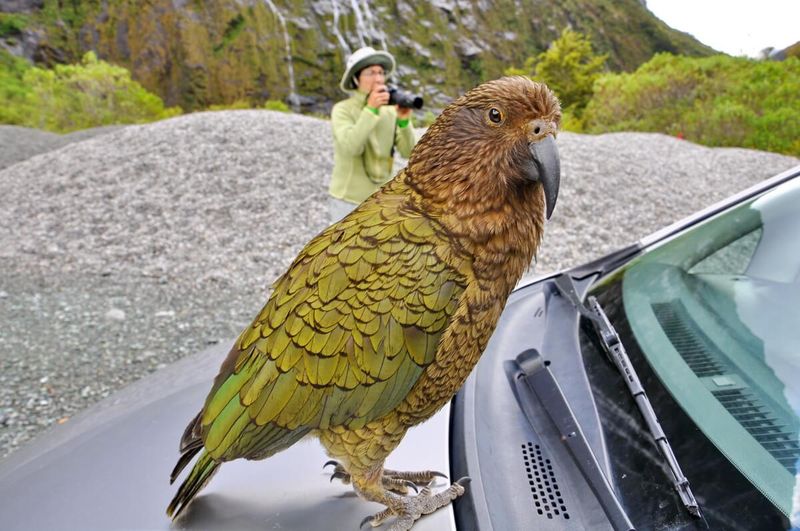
column 616, row 352
column 534, row 378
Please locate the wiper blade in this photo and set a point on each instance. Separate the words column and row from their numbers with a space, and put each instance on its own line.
column 616, row 352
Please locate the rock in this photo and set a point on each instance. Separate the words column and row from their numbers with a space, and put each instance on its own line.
column 20, row 6
column 115, row 314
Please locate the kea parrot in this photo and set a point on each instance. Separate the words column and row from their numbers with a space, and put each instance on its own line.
column 382, row 316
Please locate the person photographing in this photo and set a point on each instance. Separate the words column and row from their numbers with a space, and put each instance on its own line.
column 366, row 131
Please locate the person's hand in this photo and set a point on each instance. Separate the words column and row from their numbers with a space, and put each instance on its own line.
column 403, row 112
column 378, row 97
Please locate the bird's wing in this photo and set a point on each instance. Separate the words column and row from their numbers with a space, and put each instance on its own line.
column 345, row 335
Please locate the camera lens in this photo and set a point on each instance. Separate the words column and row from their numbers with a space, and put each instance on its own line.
column 403, row 98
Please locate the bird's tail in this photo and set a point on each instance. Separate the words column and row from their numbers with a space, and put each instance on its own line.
column 203, row 469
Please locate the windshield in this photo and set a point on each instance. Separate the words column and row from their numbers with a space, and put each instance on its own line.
column 715, row 312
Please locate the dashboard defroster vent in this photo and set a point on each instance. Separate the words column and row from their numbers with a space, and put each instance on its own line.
column 750, row 411
column 690, row 342
column 765, row 427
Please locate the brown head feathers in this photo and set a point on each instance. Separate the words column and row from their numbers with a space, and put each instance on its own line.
column 469, row 165
column 473, row 150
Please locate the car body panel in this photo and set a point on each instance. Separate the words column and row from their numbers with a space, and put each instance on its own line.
column 109, row 469
column 531, row 478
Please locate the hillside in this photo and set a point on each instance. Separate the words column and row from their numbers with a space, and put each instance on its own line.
column 194, row 54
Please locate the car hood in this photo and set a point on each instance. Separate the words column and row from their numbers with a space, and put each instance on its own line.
column 109, row 469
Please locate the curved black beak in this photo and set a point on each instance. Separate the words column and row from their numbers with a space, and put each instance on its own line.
column 545, row 168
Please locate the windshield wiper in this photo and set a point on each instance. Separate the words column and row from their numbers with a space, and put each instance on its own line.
column 616, row 352
column 533, row 377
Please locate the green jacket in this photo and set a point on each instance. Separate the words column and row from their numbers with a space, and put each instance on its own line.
column 362, row 147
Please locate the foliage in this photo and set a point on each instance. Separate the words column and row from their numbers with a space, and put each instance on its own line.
column 571, row 122
column 233, row 30
column 569, row 67
column 14, row 93
column 235, row 106
column 63, row 22
column 793, row 50
column 12, row 24
column 427, row 119
column 70, row 97
column 276, row 105
column 717, row 101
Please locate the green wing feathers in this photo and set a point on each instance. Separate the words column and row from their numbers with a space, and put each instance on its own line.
column 344, row 337
column 200, row 475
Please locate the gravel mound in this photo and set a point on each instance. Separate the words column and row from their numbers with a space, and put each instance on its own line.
column 129, row 250
column 21, row 143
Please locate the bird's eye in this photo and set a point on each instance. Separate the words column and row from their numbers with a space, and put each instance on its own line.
column 495, row 115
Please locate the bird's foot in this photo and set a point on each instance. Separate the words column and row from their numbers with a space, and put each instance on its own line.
column 398, row 482
column 409, row 509
column 339, row 472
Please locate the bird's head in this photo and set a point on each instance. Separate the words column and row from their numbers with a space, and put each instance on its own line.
column 493, row 146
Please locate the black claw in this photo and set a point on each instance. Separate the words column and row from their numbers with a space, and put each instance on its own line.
column 366, row 520
column 438, row 474
column 338, row 475
column 412, row 485
column 466, row 480
column 331, row 462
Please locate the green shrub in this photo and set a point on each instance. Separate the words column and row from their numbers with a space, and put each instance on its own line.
column 12, row 24
column 569, row 67
column 427, row 119
column 235, row 106
column 716, row 101
column 14, row 93
column 276, row 105
column 571, row 122
column 71, row 97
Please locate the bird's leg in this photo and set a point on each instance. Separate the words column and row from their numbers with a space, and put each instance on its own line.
column 408, row 509
column 398, row 482
column 421, row 479
column 393, row 480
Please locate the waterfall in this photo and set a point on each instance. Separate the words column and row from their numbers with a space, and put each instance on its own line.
column 371, row 23
column 293, row 99
column 360, row 28
column 342, row 43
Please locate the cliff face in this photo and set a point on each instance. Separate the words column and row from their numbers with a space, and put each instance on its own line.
column 194, row 53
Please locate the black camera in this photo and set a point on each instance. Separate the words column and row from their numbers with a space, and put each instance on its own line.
column 398, row 96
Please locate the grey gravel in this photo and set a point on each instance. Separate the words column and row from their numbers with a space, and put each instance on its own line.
column 20, row 143
column 126, row 251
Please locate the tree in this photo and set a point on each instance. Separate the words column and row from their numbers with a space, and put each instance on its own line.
column 569, row 67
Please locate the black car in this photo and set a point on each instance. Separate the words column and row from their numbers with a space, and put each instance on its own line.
column 655, row 388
